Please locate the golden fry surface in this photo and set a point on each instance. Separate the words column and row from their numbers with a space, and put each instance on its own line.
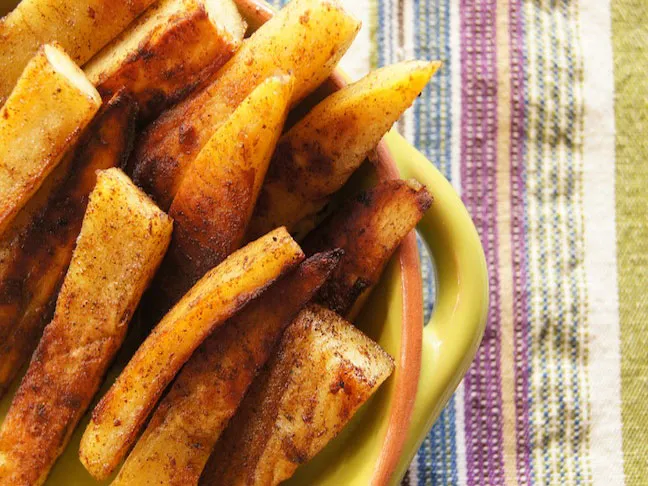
column 121, row 243
column 305, row 39
column 215, row 200
column 318, row 155
column 179, row 438
column 81, row 27
column 322, row 372
column 120, row 414
column 36, row 249
column 369, row 228
column 44, row 116
column 167, row 51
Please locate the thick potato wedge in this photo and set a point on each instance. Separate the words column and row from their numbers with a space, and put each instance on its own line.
column 36, row 250
column 316, row 157
column 179, row 438
column 81, row 27
column 121, row 413
column 102, row 287
column 215, row 200
column 167, row 51
column 47, row 111
column 368, row 228
column 323, row 371
column 305, row 39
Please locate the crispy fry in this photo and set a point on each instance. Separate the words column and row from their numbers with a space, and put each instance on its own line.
column 215, row 200
column 81, row 27
column 36, row 250
column 323, row 371
column 179, row 438
column 121, row 413
column 99, row 294
column 44, row 116
column 368, row 228
column 316, row 156
column 167, row 51
column 306, row 39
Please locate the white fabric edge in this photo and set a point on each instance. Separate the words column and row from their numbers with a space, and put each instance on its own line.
column 600, row 244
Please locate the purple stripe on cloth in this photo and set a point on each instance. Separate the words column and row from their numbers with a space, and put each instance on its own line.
column 521, row 332
column 483, row 404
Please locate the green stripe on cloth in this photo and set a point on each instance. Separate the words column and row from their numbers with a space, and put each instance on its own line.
column 630, row 43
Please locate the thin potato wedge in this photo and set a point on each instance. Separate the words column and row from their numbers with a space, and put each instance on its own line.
column 368, row 228
column 45, row 114
column 179, row 438
column 102, row 287
column 36, row 250
column 324, row 370
column 121, row 413
column 167, row 51
column 305, row 39
column 215, row 200
column 317, row 156
column 81, row 27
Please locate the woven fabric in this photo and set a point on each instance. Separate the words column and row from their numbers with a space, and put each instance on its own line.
column 539, row 119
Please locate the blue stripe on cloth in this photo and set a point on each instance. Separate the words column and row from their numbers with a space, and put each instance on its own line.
column 427, row 271
column 437, row 459
column 382, row 35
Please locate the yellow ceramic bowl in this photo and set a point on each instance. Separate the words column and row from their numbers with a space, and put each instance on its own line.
column 372, row 449
column 382, row 438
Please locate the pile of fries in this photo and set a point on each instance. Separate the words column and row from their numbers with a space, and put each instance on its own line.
column 149, row 169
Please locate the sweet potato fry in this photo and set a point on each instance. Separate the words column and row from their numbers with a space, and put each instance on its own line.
column 315, row 157
column 323, row 371
column 305, row 39
column 121, row 413
column 167, row 51
column 101, row 289
column 179, row 438
column 81, row 27
column 368, row 228
column 215, row 200
column 43, row 117
column 36, row 250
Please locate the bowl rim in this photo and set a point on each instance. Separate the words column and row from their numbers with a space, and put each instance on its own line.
column 408, row 362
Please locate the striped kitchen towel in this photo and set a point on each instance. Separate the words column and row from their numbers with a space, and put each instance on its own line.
column 539, row 119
